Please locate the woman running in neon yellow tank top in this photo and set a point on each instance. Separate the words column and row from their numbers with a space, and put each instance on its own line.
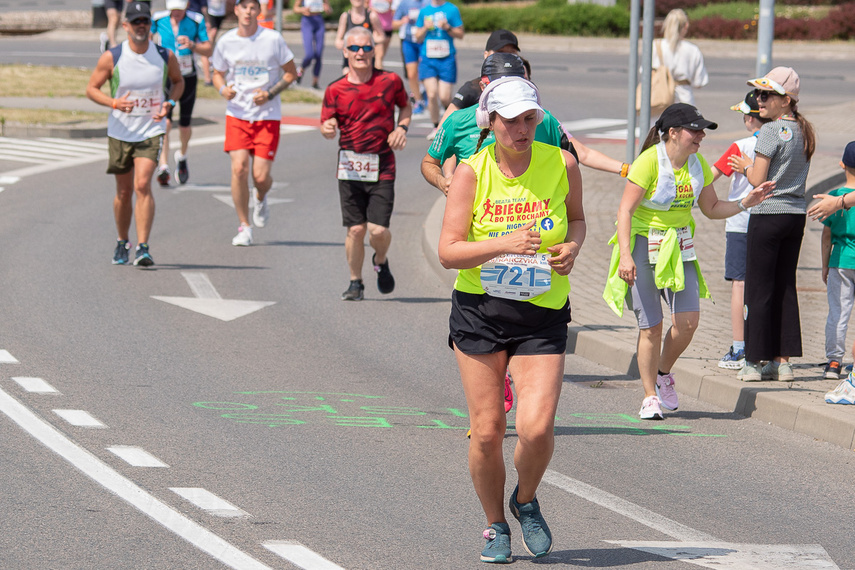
column 513, row 226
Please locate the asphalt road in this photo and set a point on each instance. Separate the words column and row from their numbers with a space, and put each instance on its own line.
column 337, row 425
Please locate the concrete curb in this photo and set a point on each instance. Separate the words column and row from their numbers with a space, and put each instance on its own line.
column 782, row 404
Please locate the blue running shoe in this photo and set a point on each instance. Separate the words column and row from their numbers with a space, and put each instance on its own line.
column 498, row 548
column 143, row 257
column 120, row 256
column 537, row 538
column 418, row 108
column 733, row 360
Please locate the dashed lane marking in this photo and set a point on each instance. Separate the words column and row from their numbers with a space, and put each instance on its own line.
column 299, row 555
column 6, row 358
column 80, row 418
column 209, row 502
column 35, row 385
column 136, row 456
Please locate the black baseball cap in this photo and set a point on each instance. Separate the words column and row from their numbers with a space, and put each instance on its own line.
column 500, row 64
column 683, row 115
column 136, row 10
column 501, row 38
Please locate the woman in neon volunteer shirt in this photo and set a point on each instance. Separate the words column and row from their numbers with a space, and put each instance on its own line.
column 775, row 230
column 513, row 226
column 655, row 230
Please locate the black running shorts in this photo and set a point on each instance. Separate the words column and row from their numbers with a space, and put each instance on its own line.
column 481, row 324
column 363, row 202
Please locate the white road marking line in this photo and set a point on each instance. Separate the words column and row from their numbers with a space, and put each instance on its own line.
column 6, row 358
column 209, row 502
column 73, row 143
column 8, row 179
column 200, row 285
column 35, row 385
column 299, row 555
column 136, row 456
column 103, row 474
column 24, row 157
column 623, row 507
column 47, row 147
column 285, row 128
column 737, row 556
column 79, row 418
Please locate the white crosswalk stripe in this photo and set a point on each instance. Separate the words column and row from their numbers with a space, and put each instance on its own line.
column 49, row 150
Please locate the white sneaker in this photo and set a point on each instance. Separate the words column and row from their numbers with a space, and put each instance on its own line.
column 666, row 391
column 843, row 394
column 260, row 211
column 244, row 236
column 104, row 41
column 650, row 409
column 432, row 135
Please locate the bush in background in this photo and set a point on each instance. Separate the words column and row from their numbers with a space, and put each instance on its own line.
column 554, row 17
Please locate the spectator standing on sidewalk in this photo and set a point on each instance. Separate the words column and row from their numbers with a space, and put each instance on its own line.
column 361, row 106
column 497, row 323
column 783, row 152
column 183, row 33
column 736, row 227
column 654, row 253
column 838, row 273
column 136, row 70
column 684, row 59
column 252, row 66
column 312, row 28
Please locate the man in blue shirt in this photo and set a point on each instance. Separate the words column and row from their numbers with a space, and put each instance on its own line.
column 184, row 33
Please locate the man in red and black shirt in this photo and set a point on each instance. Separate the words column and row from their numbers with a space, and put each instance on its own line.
column 361, row 105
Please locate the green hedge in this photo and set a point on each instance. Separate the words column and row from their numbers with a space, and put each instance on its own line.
column 553, row 17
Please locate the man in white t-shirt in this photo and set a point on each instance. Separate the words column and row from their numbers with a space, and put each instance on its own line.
column 252, row 65
column 736, row 227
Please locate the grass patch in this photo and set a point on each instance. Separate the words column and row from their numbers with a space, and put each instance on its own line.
column 47, row 81
column 49, row 117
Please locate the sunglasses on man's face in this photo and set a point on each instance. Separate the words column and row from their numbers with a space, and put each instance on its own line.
column 365, row 49
column 141, row 21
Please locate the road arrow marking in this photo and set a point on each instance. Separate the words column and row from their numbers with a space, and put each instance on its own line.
column 694, row 546
column 227, row 200
column 727, row 555
column 207, row 301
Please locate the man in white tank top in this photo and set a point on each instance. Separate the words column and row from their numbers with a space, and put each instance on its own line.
column 137, row 70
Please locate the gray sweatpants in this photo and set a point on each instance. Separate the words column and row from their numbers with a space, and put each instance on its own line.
column 841, row 294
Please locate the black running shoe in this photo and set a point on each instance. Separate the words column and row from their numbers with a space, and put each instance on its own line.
column 183, row 171
column 385, row 281
column 355, row 292
column 143, row 257
column 120, row 255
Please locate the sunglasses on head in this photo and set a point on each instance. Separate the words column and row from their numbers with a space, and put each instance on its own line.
column 365, row 49
column 139, row 21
